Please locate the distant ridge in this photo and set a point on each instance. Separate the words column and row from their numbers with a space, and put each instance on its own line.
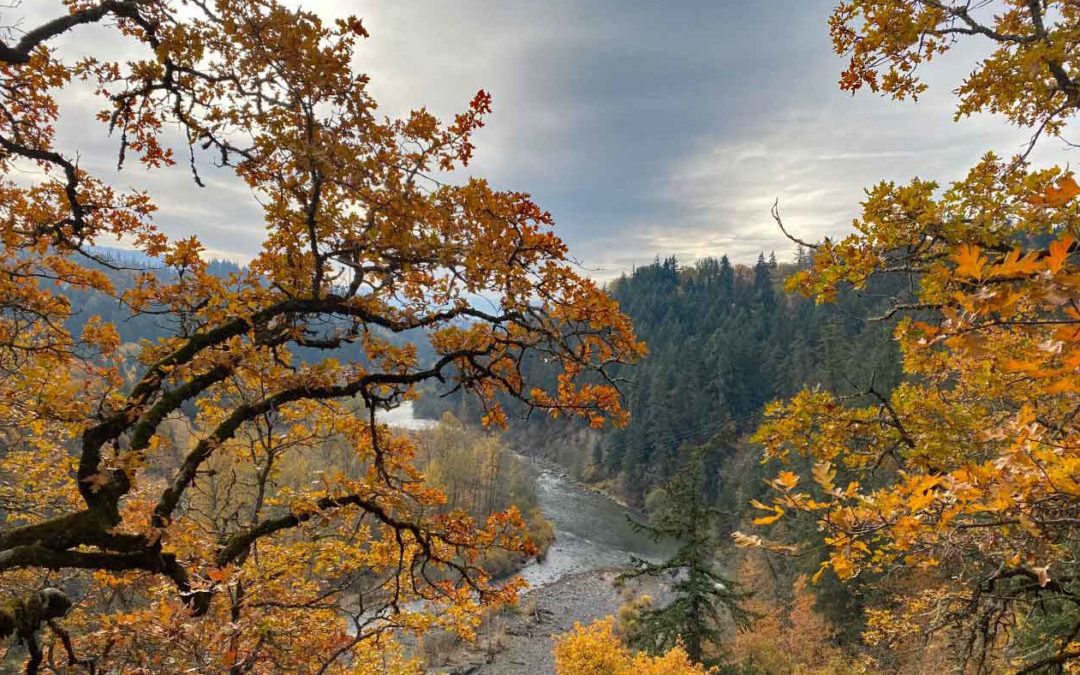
column 125, row 256
column 131, row 258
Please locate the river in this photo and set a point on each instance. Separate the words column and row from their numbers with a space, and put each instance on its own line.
column 591, row 530
column 574, row 582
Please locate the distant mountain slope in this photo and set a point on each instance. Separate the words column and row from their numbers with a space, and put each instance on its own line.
column 134, row 328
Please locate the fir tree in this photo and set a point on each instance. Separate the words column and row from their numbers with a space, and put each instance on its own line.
column 763, row 290
column 704, row 598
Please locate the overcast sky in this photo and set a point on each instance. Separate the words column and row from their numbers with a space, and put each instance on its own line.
column 647, row 128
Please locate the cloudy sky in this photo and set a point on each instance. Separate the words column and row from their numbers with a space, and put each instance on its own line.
column 647, row 128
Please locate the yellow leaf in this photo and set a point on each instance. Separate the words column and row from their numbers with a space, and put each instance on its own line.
column 786, row 480
column 768, row 520
column 824, row 475
column 843, row 566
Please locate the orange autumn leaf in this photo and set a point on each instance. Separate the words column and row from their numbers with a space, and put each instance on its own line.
column 786, row 480
column 768, row 520
column 969, row 262
column 1056, row 196
column 1059, row 253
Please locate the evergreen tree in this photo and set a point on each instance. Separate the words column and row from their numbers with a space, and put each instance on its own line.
column 727, row 279
column 704, row 598
column 763, row 290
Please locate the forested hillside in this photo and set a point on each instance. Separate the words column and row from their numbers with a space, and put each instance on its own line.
column 122, row 267
column 723, row 341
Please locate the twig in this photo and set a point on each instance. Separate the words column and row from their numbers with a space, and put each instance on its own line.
column 775, row 211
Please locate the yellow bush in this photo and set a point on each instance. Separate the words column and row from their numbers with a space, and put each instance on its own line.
column 595, row 650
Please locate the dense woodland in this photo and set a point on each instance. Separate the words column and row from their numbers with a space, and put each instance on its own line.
column 124, row 269
column 723, row 341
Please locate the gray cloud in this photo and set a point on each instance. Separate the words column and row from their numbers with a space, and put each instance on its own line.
column 647, row 128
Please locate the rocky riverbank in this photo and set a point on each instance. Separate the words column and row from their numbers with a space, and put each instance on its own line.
column 521, row 641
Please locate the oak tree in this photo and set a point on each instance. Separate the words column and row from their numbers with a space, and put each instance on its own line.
column 285, row 508
column 965, row 479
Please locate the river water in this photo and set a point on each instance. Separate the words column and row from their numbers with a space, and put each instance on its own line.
column 591, row 530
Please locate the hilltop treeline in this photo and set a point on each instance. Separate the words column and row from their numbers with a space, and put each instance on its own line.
column 724, row 340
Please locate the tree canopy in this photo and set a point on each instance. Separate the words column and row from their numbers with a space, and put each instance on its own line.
column 145, row 538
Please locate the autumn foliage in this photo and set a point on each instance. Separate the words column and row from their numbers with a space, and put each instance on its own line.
column 596, row 650
column 966, row 477
column 190, row 510
column 789, row 635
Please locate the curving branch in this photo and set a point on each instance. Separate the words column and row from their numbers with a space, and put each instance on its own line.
column 20, row 52
column 775, row 211
column 973, row 27
column 237, row 546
